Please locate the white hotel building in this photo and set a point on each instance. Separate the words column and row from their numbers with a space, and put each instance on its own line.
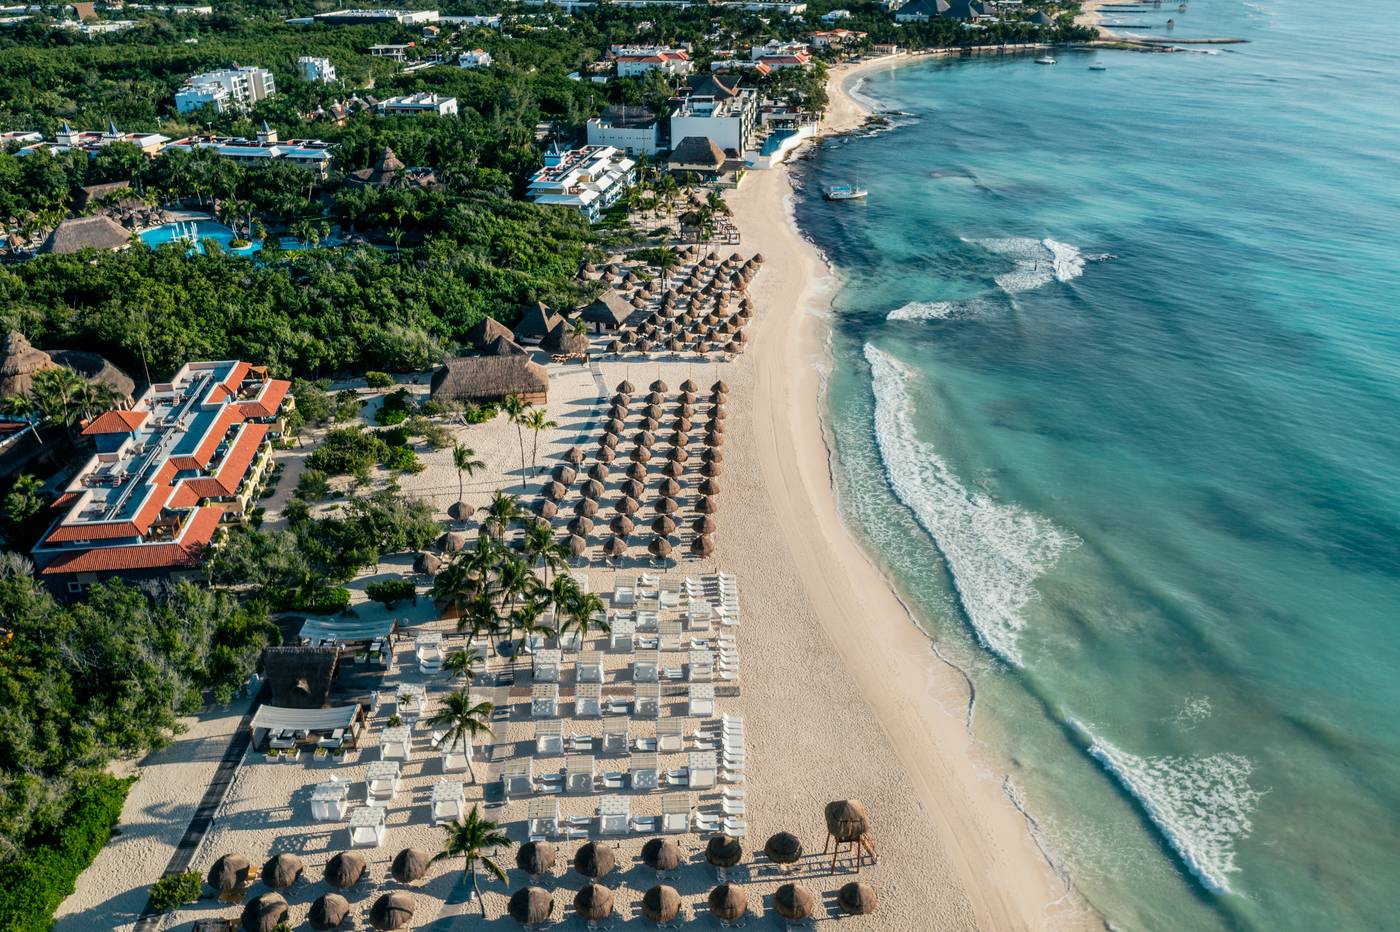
column 589, row 179
column 230, row 89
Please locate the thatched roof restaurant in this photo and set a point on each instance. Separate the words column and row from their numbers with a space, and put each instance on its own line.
column 300, row 677
column 95, row 232
column 480, row 379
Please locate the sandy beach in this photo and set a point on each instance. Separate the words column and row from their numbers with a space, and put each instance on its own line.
column 842, row 695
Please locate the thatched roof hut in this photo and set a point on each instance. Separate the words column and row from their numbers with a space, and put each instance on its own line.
column 595, row 860
column 794, row 903
column 345, row 869
column 563, row 341
column 490, row 378
column 608, row 312
column 661, row 903
column 264, row 913
column 728, row 902
column 536, row 320
column 486, row 330
column 229, row 873
column 282, row 870
column 409, row 865
column 856, row 898
column 847, row 820
column 300, row 677
column 724, row 851
column 593, row 903
column 530, row 906
column 19, row 361
column 97, row 231
column 702, row 546
column 503, row 346
column 662, row 855
column 392, row 911
column 97, row 370
column 452, row 541
column 328, row 911
column 615, row 548
column 535, row 857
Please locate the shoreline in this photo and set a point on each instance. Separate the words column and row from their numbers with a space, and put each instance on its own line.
column 922, row 702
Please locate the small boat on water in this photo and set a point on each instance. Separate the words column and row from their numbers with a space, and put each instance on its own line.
column 845, row 192
column 1047, row 60
column 1098, row 67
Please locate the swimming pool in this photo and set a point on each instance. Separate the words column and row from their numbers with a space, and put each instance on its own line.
column 197, row 232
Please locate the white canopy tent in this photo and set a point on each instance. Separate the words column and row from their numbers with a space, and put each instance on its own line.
column 448, row 800
column 345, row 630
column 647, row 700
column 702, row 700
column 542, row 817
column 544, row 700
column 703, row 766
column 624, row 629
column 330, row 800
column 546, row 665
column 643, row 769
column 578, row 774
column 517, row 777
column 367, row 826
column 589, row 668
column 646, row 667
column 588, row 700
column 614, row 815
column 675, row 812
column 670, row 735
column 272, row 721
column 615, row 736
column 382, row 780
column 549, row 737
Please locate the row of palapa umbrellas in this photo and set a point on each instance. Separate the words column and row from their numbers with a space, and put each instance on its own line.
column 634, row 487
column 847, row 821
column 705, row 322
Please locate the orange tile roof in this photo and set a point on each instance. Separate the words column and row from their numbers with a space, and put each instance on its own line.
column 115, row 422
column 199, row 531
column 107, row 530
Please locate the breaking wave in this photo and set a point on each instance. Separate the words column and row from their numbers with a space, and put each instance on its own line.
column 1201, row 805
column 1037, row 262
column 994, row 551
column 923, row 310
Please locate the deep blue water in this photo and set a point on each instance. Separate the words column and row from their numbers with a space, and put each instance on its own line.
column 1115, row 401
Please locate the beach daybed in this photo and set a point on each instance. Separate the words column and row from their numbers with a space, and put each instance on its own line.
column 675, row 813
column 518, row 777
column 396, row 744
column 544, row 700
column 367, row 826
column 588, row 700
column 382, row 780
column 330, row 801
column 542, row 818
column 277, row 727
column 578, row 774
column 643, row 769
column 614, row 815
column 549, row 737
column 449, row 798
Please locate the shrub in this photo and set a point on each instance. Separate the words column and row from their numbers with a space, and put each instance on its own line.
column 43, row 873
column 387, row 416
column 392, row 591
column 347, row 451
column 403, row 459
column 175, row 890
column 480, row 414
column 395, row 436
column 378, row 379
column 313, row 485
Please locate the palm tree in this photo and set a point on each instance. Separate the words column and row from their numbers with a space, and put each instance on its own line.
column 515, row 408
column 464, row 458
column 540, row 547
column 503, row 511
column 463, row 721
column 470, row 840
column 586, row 612
column 466, row 662
column 527, row 618
column 537, row 421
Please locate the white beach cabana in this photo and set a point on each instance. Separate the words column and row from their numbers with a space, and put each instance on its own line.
column 670, row 735
column 702, row 700
column 643, row 770
column 341, row 631
column 622, row 633
column 428, row 649
column 411, row 700
column 614, row 815
column 449, row 798
column 396, row 743
column 291, row 726
column 647, row 620
column 700, row 666
column 616, row 736
column 699, row 615
column 646, row 667
column 457, row 757
column 703, row 769
column 517, row 777
column 544, row 700
column 546, row 665
column 542, row 817
column 549, row 738
column 675, row 812
column 647, row 699
column 578, row 774
column 670, row 632
column 367, row 826
column 589, row 668
column 588, row 700
column 382, row 780
column 330, row 800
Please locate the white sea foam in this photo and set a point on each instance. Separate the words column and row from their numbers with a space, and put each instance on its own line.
column 1038, row 262
column 1201, row 805
column 995, row 551
column 923, row 310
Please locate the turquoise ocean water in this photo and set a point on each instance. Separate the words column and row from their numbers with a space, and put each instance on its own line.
column 1116, row 402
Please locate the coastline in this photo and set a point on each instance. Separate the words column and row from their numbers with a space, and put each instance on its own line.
column 983, row 838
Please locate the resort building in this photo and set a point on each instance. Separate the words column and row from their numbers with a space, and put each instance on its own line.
column 188, row 456
column 476, row 58
column 397, row 51
column 424, row 102
column 311, row 154
column 316, row 70
column 719, row 109
column 484, row 379
column 835, row 16
column 89, row 141
column 536, row 321
column 697, row 155
column 635, row 60
column 367, row 17
column 476, row 22
column 834, row 38
column 608, row 312
column 230, row 89
column 634, row 130
column 389, row 172
column 589, row 179
column 94, row 232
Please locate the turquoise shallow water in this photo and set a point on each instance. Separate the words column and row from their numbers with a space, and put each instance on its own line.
column 1115, row 402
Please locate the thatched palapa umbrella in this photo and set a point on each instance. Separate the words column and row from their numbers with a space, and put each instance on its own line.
column 641, row 455
column 728, row 902
column 856, row 898
column 644, row 438
column 615, row 347
column 345, row 869
column 593, row 903
column 409, row 865
column 615, row 548
column 720, row 387
column 554, row 491
column 229, row 873
column 634, row 488
column 535, row 857
column 594, row 860
column 661, row 903
column 664, row 526
column 660, row 548
column 598, row 471
column 574, row 456
column 724, row 851
column 626, row 505
column 282, row 870
column 578, row 546
column 689, row 386
column 669, row 488
column 530, row 906
column 709, row 487
column 704, row 524
column 706, row 506
column 586, row 508
column 662, row 855
column 605, row 453
column 614, row 425
column 581, row 526
column 591, row 489
column 264, row 913
column 565, row 475
column 714, row 438
column 622, row 526
column 460, row 511
column 712, row 455
column 783, row 848
column 794, row 903
column 392, row 911
column 608, row 441
column 637, row 472
column 546, row 509
column 711, row 470
column 673, row 468
column 452, row 541
column 848, row 822
column 328, row 911
column 702, row 546
column 666, row 506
